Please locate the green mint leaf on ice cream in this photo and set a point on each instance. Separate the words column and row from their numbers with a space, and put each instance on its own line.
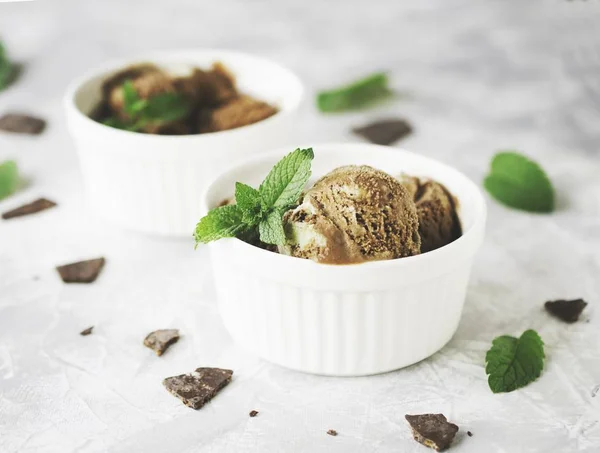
column 259, row 213
column 512, row 363
column 519, row 183
column 357, row 95
column 9, row 178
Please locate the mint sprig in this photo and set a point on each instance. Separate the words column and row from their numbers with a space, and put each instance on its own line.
column 8, row 70
column 9, row 178
column 512, row 363
column 157, row 110
column 519, row 183
column 356, row 95
column 260, row 212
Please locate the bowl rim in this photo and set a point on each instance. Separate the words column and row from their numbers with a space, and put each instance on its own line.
column 473, row 234
column 154, row 57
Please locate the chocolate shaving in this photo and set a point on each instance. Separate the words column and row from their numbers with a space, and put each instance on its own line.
column 253, row 414
column 22, row 124
column 566, row 310
column 34, row 207
column 86, row 331
column 199, row 387
column 432, row 430
column 332, row 432
column 160, row 340
column 384, row 132
column 81, row 271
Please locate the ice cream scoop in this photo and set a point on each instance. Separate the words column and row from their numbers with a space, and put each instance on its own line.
column 439, row 224
column 352, row 215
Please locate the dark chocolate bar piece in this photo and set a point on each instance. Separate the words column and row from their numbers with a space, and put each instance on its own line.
column 160, row 340
column 432, row 430
column 34, row 207
column 566, row 310
column 82, row 271
column 384, row 132
column 332, row 432
column 199, row 387
column 253, row 414
column 22, row 124
column 87, row 331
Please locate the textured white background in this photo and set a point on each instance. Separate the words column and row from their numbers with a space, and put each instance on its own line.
column 478, row 76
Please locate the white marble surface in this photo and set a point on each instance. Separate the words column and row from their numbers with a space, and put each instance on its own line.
column 478, row 76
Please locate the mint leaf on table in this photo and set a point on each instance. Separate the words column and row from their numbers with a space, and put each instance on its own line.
column 9, row 178
column 512, row 363
column 8, row 70
column 162, row 108
column 519, row 183
column 357, row 95
column 259, row 213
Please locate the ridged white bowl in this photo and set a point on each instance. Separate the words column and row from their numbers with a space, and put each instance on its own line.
column 154, row 183
column 346, row 320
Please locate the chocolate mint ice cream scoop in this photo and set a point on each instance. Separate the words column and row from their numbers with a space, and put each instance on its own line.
column 352, row 215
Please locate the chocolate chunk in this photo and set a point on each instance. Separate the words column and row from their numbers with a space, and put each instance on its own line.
column 566, row 310
column 332, row 432
column 253, row 414
column 22, row 124
column 86, row 331
column 160, row 340
column 82, row 271
column 469, row 433
column 432, row 430
column 384, row 132
column 199, row 387
column 34, row 207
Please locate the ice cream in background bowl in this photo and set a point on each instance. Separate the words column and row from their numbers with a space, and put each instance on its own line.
column 375, row 271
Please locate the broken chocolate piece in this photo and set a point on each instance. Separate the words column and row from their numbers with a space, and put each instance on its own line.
column 469, row 433
column 82, row 271
column 566, row 310
column 34, row 207
column 384, row 132
column 22, row 124
column 253, row 414
column 160, row 340
column 199, row 387
column 432, row 430
column 332, row 432
column 86, row 331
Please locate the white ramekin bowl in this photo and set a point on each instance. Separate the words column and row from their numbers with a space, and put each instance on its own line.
column 346, row 320
column 154, row 183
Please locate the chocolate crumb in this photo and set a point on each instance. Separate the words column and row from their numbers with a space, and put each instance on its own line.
column 160, row 340
column 595, row 391
column 199, row 387
column 432, row 430
column 469, row 433
column 87, row 331
column 22, row 124
column 332, row 432
column 41, row 204
column 566, row 310
column 81, row 271
column 253, row 414
column 384, row 132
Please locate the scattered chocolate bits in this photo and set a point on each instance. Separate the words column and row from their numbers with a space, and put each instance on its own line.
column 22, row 124
column 566, row 310
column 34, row 207
column 199, row 387
column 160, row 340
column 332, row 432
column 469, row 433
column 253, row 414
column 82, row 271
column 87, row 331
column 432, row 430
column 384, row 132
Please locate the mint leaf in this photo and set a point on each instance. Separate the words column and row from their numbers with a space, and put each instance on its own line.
column 271, row 229
column 221, row 222
column 356, row 95
column 8, row 70
column 283, row 185
column 513, row 363
column 248, row 199
column 9, row 178
column 131, row 99
column 166, row 107
column 519, row 183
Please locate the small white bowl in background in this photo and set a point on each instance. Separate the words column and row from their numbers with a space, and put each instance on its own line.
column 154, row 183
column 346, row 320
